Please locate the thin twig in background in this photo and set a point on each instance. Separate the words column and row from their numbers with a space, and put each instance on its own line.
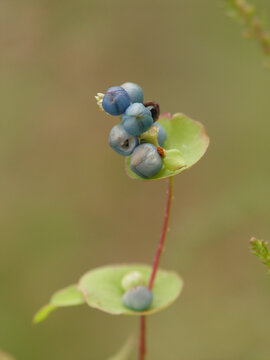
column 254, row 26
column 125, row 352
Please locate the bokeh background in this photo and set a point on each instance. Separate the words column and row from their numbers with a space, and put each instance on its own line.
column 67, row 205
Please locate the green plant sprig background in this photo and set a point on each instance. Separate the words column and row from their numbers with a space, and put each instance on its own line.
column 254, row 23
column 68, row 206
column 261, row 250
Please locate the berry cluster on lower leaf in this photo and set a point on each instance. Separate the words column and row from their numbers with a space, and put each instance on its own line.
column 139, row 134
column 137, row 296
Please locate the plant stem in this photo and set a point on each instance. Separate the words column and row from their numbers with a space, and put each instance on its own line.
column 163, row 235
column 142, row 345
column 142, row 338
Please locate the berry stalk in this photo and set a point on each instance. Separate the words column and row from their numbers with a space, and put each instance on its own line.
column 142, row 345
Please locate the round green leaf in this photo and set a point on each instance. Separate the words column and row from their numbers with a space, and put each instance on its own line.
column 184, row 134
column 69, row 296
column 102, row 288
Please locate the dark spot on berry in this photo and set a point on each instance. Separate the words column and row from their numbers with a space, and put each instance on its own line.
column 126, row 144
column 153, row 106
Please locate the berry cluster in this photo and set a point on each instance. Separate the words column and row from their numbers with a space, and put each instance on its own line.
column 137, row 296
column 138, row 134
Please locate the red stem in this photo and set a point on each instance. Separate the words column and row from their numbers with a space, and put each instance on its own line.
column 155, row 266
column 163, row 235
column 142, row 338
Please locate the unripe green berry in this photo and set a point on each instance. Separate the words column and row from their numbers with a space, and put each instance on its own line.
column 173, row 160
column 132, row 280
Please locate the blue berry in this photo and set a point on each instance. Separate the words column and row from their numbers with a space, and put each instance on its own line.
column 134, row 91
column 121, row 141
column 146, row 161
column 138, row 298
column 116, row 101
column 137, row 119
column 162, row 136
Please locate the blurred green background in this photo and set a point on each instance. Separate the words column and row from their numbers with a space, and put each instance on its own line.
column 67, row 205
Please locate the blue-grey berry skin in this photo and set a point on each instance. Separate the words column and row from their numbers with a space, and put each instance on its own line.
column 146, row 161
column 116, row 101
column 137, row 119
column 139, row 298
column 134, row 91
column 122, row 142
column 162, row 136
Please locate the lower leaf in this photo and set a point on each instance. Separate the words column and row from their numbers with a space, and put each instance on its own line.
column 69, row 296
column 102, row 288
